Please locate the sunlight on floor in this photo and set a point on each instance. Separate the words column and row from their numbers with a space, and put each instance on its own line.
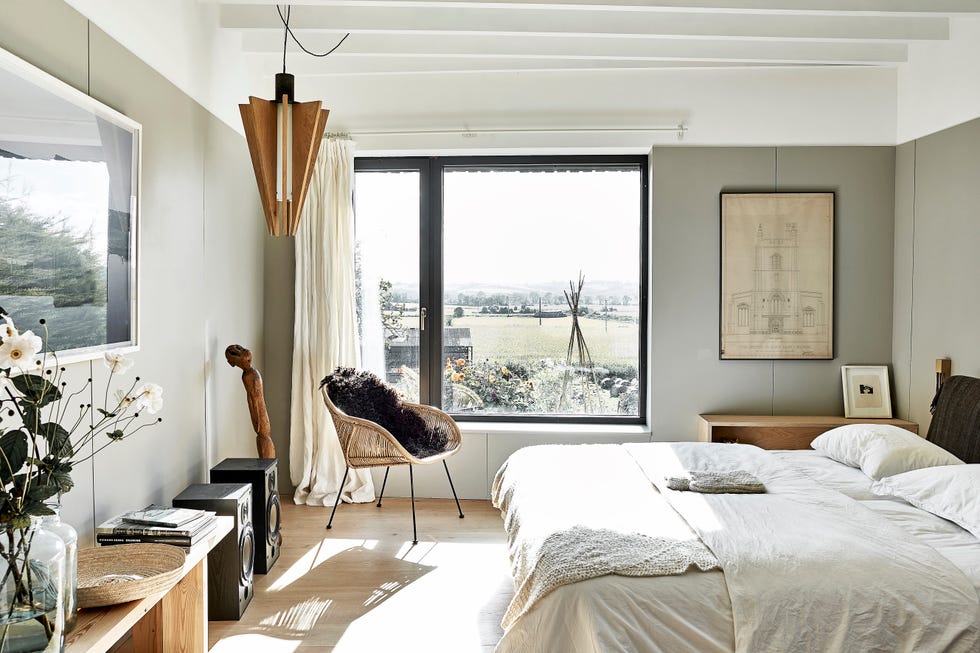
column 317, row 555
column 381, row 594
column 299, row 618
column 364, row 588
column 441, row 609
column 249, row 643
column 414, row 553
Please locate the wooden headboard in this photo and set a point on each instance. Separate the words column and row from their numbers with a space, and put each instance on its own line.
column 956, row 425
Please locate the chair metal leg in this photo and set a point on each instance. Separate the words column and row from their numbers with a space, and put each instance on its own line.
column 411, row 484
column 451, row 487
column 383, row 484
column 337, row 500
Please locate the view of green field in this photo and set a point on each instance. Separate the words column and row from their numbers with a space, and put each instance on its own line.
column 514, row 338
column 516, row 364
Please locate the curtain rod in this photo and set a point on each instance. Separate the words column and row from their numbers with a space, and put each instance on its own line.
column 679, row 129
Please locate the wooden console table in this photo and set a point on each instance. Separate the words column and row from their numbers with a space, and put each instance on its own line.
column 779, row 431
column 168, row 621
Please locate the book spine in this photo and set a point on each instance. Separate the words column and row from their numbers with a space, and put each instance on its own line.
column 143, row 532
column 143, row 539
column 185, row 547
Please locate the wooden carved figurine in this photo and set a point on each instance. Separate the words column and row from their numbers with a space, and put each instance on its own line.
column 238, row 356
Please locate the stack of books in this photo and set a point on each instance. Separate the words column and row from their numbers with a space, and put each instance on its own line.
column 183, row 527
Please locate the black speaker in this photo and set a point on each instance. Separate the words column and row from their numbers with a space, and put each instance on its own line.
column 261, row 473
column 230, row 563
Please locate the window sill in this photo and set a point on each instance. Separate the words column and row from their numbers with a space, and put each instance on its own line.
column 555, row 429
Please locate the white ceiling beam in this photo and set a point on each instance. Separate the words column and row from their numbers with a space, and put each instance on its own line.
column 732, row 52
column 406, row 20
column 790, row 7
column 397, row 65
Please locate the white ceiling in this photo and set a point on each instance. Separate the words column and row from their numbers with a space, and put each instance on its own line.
column 578, row 74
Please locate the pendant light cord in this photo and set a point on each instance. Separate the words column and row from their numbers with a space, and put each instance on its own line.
column 284, row 17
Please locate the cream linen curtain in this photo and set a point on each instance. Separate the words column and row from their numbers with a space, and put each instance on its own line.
column 325, row 329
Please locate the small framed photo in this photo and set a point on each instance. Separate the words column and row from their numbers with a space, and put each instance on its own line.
column 866, row 391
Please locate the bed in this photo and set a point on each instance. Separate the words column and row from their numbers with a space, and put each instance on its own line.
column 830, row 558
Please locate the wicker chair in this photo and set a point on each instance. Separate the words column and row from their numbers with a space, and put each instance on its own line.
column 366, row 444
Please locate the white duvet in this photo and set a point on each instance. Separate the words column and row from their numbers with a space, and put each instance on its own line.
column 838, row 574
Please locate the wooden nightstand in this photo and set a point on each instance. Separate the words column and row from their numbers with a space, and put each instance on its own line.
column 779, row 431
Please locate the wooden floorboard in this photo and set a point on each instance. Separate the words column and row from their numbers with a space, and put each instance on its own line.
column 362, row 587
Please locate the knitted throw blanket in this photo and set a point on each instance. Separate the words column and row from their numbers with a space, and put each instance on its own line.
column 636, row 534
column 581, row 553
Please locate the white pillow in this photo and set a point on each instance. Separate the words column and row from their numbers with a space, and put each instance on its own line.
column 881, row 450
column 950, row 492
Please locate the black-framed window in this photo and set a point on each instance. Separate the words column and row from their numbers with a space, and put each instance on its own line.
column 467, row 284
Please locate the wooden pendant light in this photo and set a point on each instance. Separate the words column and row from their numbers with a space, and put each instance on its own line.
column 283, row 140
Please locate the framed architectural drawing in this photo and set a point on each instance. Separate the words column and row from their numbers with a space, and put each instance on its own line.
column 866, row 391
column 777, row 276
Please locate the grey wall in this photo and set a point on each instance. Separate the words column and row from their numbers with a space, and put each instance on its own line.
column 234, row 269
column 278, row 345
column 687, row 377
column 201, row 265
column 937, row 267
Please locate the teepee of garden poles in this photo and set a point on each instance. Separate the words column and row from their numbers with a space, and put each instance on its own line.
column 579, row 350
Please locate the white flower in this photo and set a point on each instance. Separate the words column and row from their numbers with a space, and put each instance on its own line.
column 122, row 398
column 148, row 396
column 18, row 351
column 8, row 330
column 117, row 363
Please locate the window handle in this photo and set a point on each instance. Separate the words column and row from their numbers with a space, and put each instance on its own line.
column 422, row 313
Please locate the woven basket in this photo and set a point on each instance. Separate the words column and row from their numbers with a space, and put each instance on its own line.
column 126, row 572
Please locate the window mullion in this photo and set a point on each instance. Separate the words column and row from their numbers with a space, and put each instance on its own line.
column 431, row 275
column 434, row 259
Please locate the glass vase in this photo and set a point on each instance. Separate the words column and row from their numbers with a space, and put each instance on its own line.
column 69, row 536
column 32, row 571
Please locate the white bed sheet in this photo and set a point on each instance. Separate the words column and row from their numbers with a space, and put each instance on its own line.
column 692, row 612
column 956, row 544
column 850, row 481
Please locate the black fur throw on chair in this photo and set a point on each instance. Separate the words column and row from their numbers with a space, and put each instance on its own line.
column 362, row 394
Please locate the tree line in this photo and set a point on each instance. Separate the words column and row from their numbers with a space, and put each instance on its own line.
column 533, row 298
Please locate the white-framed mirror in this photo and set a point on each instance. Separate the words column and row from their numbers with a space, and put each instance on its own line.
column 69, row 214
